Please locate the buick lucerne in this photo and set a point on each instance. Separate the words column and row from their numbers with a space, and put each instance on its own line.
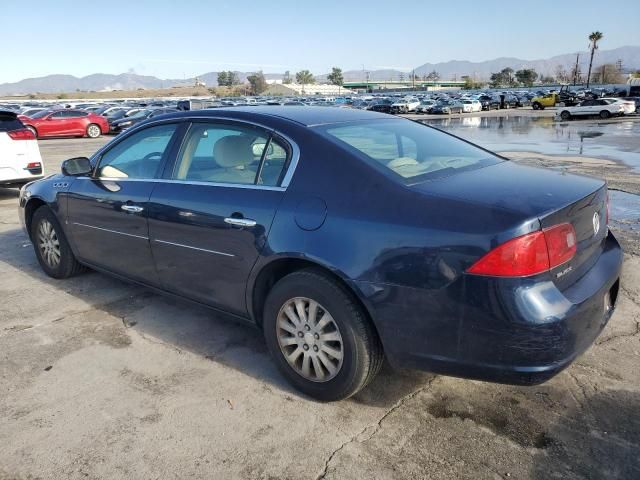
column 347, row 237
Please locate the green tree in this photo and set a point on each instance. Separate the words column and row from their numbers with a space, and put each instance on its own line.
column 222, row 79
column 304, row 77
column 233, row 78
column 594, row 38
column 286, row 79
column 258, row 83
column 526, row 76
column 433, row 76
column 335, row 77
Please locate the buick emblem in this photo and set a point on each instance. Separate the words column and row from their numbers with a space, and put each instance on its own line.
column 596, row 223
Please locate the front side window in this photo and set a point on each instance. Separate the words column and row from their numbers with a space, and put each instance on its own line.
column 410, row 151
column 225, row 153
column 139, row 155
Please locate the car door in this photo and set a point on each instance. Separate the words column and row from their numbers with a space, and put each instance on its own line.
column 107, row 211
column 76, row 121
column 209, row 220
column 54, row 124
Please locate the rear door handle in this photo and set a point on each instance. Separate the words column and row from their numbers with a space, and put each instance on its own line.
column 132, row 208
column 240, row 222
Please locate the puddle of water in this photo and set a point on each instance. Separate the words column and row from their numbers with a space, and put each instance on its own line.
column 615, row 141
column 624, row 209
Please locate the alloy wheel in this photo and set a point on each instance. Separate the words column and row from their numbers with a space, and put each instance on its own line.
column 93, row 131
column 49, row 244
column 309, row 339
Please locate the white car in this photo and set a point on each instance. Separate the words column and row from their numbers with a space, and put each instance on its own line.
column 425, row 106
column 628, row 105
column 599, row 107
column 20, row 160
column 470, row 106
column 405, row 105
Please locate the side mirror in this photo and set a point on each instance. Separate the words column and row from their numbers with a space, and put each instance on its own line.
column 76, row 166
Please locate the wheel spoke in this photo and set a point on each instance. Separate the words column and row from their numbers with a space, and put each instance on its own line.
column 313, row 312
column 317, row 368
column 293, row 356
column 324, row 321
column 330, row 337
column 302, row 315
column 337, row 354
column 285, row 324
column 288, row 311
column 306, row 362
column 327, row 363
column 285, row 342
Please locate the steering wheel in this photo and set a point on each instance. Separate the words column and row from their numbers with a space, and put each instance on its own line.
column 149, row 156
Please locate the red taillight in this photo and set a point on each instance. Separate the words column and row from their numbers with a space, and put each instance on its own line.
column 22, row 134
column 529, row 254
column 561, row 243
column 33, row 165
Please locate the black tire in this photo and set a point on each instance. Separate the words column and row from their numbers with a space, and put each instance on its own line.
column 361, row 347
column 535, row 105
column 93, row 130
column 605, row 114
column 565, row 115
column 67, row 266
column 32, row 130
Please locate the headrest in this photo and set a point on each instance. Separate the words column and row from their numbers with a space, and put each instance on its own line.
column 233, row 151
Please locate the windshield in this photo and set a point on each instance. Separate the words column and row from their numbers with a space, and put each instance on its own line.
column 141, row 113
column 410, row 151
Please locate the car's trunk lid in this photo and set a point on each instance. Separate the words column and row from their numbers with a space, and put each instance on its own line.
column 551, row 196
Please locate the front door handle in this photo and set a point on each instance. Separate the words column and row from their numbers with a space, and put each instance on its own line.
column 132, row 208
column 240, row 222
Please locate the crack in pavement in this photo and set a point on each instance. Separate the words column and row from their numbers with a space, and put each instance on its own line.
column 621, row 335
column 376, row 427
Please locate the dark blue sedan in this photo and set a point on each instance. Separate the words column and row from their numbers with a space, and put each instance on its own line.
column 347, row 236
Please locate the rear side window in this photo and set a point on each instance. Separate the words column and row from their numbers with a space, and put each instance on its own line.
column 9, row 122
column 234, row 154
column 409, row 151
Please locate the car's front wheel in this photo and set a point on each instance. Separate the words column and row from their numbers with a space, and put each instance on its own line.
column 51, row 246
column 320, row 337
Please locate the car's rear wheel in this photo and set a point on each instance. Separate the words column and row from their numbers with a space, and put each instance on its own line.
column 565, row 115
column 51, row 246
column 605, row 114
column 320, row 337
column 93, row 131
column 32, row 130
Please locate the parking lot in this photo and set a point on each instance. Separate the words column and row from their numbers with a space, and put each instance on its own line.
column 103, row 379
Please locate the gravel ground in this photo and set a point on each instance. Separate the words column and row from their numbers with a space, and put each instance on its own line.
column 99, row 379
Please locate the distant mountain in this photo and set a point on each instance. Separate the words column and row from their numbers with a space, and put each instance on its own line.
column 629, row 56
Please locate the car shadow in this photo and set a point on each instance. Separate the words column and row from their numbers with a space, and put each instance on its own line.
column 184, row 326
column 599, row 439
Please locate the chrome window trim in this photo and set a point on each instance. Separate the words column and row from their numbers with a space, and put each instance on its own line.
column 111, row 231
column 185, row 182
column 194, row 248
column 286, row 180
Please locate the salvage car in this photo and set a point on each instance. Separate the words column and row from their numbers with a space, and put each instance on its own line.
column 596, row 107
column 20, row 160
column 66, row 123
column 347, row 237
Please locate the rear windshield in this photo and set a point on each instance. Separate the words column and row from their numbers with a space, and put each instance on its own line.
column 9, row 122
column 410, row 151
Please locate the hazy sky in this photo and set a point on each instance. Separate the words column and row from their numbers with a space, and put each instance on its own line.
column 173, row 39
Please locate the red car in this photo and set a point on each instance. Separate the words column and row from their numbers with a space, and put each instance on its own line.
column 66, row 123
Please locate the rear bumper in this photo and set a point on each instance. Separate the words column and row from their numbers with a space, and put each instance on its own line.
column 482, row 328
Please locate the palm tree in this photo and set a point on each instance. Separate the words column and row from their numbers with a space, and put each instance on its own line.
column 304, row 77
column 594, row 38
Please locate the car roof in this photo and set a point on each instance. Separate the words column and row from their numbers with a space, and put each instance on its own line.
column 303, row 115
